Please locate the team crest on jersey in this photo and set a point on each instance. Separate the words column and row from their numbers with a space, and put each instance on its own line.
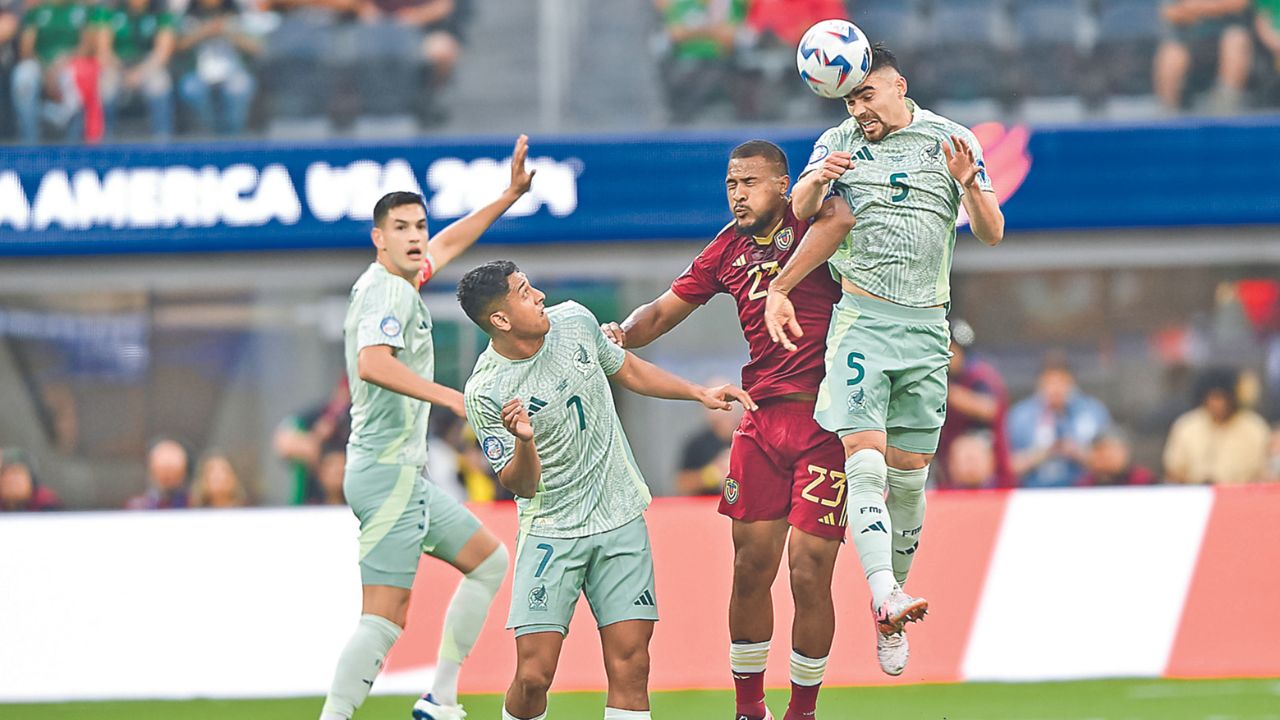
column 820, row 152
column 856, row 400
column 582, row 358
column 932, row 153
column 492, row 447
column 730, row 490
column 538, row 598
column 390, row 326
column 783, row 238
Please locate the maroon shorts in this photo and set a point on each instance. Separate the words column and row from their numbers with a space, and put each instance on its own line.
column 783, row 465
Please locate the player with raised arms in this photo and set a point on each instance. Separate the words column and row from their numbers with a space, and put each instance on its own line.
column 540, row 403
column 391, row 364
column 786, row 474
column 905, row 173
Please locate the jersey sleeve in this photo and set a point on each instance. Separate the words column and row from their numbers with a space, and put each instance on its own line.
column 384, row 315
column 485, row 418
column 827, row 143
column 984, row 180
column 700, row 281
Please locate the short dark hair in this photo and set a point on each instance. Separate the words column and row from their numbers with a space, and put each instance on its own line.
column 393, row 200
column 883, row 57
column 762, row 149
column 481, row 287
column 1219, row 380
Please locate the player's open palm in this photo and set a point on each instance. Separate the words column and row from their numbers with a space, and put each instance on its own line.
column 961, row 162
column 721, row 397
column 780, row 319
column 521, row 178
column 614, row 332
column 516, row 419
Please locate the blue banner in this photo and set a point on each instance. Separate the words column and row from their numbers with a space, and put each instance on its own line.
column 262, row 196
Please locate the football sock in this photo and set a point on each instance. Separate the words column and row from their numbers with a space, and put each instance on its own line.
column 906, row 511
column 359, row 664
column 464, row 620
column 869, row 520
column 508, row 716
column 747, row 661
column 616, row 714
column 806, row 679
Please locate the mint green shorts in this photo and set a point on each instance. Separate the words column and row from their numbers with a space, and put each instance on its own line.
column 886, row 370
column 403, row 515
column 613, row 569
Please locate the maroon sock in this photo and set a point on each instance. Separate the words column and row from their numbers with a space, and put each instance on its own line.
column 749, row 688
column 804, row 702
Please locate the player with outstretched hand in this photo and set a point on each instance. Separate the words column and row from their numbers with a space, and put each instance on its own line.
column 391, row 364
column 786, row 474
column 905, row 173
column 540, row 403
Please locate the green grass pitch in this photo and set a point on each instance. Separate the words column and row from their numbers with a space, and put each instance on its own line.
column 1089, row 700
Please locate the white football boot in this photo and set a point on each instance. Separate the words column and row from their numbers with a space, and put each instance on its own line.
column 428, row 709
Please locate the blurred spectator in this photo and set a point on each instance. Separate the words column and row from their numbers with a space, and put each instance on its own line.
column 217, row 485
column 306, row 438
column 970, row 462
column 439, row 25
column 1220, row 26
column 697, row 54
column 976, row 401
column 1218, row 442
column 167, row 478
column 456, row 463
column 1051, row 431
column 1110, row 462
column 329, row 475
column 766, row 54
column 54, row 33
column 20, row 491
column 217, row 83
column 134, row 46
column 704, row 462
column 1267, row 24
column 1273, row 455
column 10, row 23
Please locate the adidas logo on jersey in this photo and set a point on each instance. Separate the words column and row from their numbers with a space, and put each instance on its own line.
column 645, row 599
column 741, row 261
column 832, row 520
column 535, row 405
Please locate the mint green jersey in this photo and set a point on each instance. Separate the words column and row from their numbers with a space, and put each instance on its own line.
column 590, row 483
column 906, row 204
column 387, row 427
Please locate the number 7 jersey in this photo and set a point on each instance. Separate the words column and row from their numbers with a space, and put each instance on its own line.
column 590, row 482
column 906, row 204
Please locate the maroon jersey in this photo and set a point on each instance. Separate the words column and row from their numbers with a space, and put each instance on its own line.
column 743, row 266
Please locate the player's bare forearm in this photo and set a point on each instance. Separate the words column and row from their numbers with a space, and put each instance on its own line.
column 655, row 319
column 522, row 474
column 986, row 220
column 461, row 235
column 645, row 378
column 376, row 364
column 806, row 196
column 832, row 224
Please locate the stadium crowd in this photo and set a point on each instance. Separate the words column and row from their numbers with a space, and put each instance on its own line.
column 89, row 70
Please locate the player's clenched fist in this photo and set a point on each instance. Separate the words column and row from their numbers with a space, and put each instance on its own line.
column 836, row 164
column 615, row 333
column 516, row 420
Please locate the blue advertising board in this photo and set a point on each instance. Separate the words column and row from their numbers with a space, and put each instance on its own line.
column 270, row 195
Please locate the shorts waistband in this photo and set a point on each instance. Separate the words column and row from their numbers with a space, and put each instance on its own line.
column 891, row 310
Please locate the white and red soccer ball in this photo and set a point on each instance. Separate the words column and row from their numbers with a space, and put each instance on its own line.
column 834, row 57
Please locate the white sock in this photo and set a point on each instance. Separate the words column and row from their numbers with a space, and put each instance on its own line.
column 616, row 714
column 358, row 666
column 464, row 620
column 869, row 520
column 906, row 510
column 748, row 657
column 807, row 671
column 508, row 716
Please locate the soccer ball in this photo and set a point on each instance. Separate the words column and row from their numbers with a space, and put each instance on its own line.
column 834, row 57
